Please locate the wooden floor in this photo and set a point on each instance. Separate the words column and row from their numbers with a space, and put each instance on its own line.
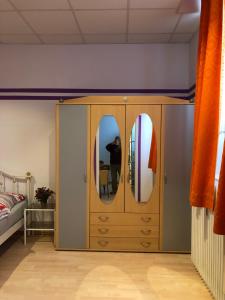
column 37, row 272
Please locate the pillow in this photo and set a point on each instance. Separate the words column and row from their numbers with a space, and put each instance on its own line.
column 7, row 200
column 2, row 206
column 4, row 211
column 16, row 197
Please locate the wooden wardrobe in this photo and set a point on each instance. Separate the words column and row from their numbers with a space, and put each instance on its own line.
column 149, row 211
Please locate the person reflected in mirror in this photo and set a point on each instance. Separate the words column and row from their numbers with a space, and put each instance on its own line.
column 101, row 164
column 115, row 161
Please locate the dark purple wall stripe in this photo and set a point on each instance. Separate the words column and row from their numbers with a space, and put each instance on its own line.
column 192, row 88
column 139, row 158
column 95, row 91
column 184, row 93
column 189, row 97
column 47, row 97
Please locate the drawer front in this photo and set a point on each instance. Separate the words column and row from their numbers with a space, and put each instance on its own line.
column 135, row 244
column 124, row 219
column 124, row 231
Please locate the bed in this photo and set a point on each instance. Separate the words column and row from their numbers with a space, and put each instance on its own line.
column 12, row 221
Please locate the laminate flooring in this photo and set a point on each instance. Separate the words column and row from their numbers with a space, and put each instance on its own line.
column 37, row 272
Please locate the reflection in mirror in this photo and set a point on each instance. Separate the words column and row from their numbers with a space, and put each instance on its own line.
column 142, row 158
column 107, row 164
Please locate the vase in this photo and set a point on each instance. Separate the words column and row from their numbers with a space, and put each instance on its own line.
column 43, row 204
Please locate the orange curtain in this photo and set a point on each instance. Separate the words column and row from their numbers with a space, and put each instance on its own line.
column 152, row 163
column 207, row 104
column 219, row 213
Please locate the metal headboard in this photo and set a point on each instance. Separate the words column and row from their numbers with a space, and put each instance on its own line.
column 16, row 184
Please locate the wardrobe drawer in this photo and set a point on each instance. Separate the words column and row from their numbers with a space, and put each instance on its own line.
column 124, row 219
column 135, row 244
column 124, row 231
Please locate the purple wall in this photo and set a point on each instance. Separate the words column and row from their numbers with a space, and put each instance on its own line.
column 155, row 66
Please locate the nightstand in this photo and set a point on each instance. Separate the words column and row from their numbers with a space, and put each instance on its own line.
column 30, row 222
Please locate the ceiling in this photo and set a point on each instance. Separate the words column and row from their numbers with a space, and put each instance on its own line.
column 95, row 22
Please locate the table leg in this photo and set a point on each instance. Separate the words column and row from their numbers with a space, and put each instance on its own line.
column 25, row 227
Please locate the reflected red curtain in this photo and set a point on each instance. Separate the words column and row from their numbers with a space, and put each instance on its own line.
column 207, row 104
column 152, row 163
column 219, row 213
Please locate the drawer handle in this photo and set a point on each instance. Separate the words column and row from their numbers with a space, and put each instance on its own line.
column 103, row 218
column 146, row 219
column 146, row 231
column 103, row 230
column 103, row 243
column 145, row 244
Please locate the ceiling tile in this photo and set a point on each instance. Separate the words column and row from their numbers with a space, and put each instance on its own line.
column 50, row 22
column 19, row 39
column 105, row 39
column 189, row 23
column 99, row 4
column 102, row 22
column 61, row 39
column 40, row 4
column 152, row 21
column 12, row 23
column 154, row 3
column 148, row 38
column 181, row 38
column 5, row 5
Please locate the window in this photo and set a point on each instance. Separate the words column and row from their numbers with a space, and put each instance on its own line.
column 222, row 111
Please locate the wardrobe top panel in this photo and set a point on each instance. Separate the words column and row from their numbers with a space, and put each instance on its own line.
column 126, row 100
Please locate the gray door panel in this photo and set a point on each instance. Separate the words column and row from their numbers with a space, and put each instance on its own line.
column 177, row 171
column 73, row 161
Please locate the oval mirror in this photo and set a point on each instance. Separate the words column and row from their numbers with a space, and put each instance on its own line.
column 142, row 158
column 107, row 164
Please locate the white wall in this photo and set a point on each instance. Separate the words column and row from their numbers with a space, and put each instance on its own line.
column 193, row 59
column 95, row 66
column 27, row 133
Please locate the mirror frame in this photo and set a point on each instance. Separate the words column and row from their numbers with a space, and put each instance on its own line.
column 153, row 205
column 142, row 158
column 118, row 112
column 106, row 159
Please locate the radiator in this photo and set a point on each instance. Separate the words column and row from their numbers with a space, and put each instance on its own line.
column 208, row 252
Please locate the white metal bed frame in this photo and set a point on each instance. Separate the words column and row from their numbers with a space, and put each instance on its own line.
column 12, row 184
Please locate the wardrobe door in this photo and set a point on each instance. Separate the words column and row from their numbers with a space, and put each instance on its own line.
column 71, row 207
column 107, row 158
column 178, row 123
column 142, row 165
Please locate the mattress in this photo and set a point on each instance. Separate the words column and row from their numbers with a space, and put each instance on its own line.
column 15, row 215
